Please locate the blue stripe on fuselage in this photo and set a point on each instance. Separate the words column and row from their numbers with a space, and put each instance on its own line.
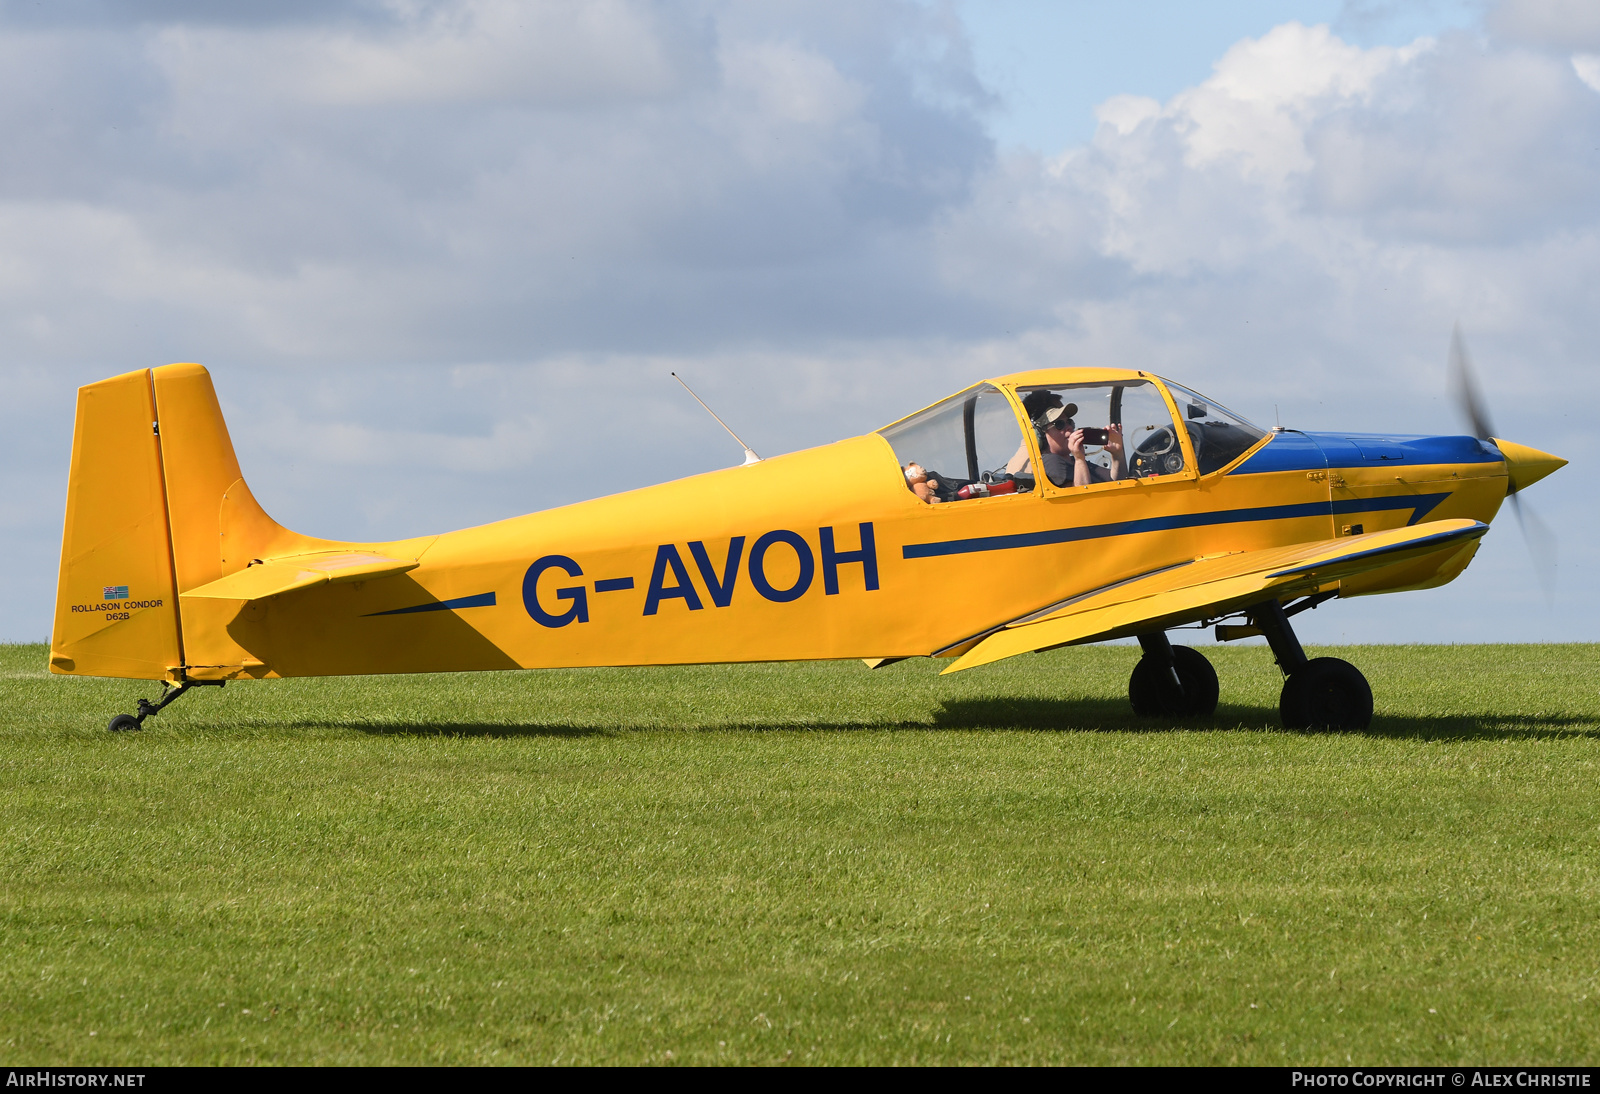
column 1294, row 451
column 477, row 600
column 1420, row 505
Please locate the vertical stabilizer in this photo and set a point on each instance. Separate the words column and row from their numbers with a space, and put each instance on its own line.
column 116, row 597
column 217, row 526
column 155, row 507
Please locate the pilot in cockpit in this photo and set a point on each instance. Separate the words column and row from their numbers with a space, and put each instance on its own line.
column 1062, row 444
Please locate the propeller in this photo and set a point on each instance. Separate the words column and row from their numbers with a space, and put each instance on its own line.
column 1470, row 402
column 1464, row 386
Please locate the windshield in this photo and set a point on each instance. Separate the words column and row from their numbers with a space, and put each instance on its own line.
column 1219, row 435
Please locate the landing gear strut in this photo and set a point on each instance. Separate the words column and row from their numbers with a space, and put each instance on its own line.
column 147, row 709
column 1319, row 693
column 1172, row 681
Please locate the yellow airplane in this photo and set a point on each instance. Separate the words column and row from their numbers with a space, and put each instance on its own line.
column 1025, row 513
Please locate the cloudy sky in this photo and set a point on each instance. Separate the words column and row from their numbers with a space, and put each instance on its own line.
column 440, row 255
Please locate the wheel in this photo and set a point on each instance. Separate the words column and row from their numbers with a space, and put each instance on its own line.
column 122, row 722
column 1152, row 695
column 1326, row 693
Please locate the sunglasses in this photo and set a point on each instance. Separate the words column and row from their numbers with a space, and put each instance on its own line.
column 1063, row 424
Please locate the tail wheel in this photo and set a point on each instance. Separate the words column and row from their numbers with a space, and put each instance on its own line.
column 1326, row 693
column 1151, row 691
column 123, row 722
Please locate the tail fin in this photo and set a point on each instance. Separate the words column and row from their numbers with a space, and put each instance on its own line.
column 155, row 507
column 116, row 598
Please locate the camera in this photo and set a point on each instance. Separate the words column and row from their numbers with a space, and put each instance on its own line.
column 1092, row 435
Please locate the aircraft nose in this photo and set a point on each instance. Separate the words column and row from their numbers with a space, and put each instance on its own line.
column 1526, row 466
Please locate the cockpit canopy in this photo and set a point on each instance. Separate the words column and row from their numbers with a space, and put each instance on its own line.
column 973, row 444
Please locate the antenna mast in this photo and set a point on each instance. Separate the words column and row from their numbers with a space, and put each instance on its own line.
column 750, row 456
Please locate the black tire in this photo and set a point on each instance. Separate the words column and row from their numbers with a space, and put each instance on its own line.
column 123, row 722
column 1326, row 694
column 1151, row 692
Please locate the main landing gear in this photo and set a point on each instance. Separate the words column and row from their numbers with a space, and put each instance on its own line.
column 147, row 709
column 1172, row 681
column 1318, row 693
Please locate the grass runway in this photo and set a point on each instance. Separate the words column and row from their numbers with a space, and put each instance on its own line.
column 809, row 863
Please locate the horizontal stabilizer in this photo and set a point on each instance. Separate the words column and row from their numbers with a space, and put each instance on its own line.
column 271, row 576
column 1211, row 587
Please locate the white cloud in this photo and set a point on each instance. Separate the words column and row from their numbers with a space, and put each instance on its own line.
column 480, row 180
column 792, row 85
column 1443, row 179
column 1587, row 66
column 1562, row 24
column 1125, row 113
column 1256, row 106
column 547, row 53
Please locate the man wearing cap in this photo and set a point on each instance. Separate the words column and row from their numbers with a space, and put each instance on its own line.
column 1061, row 444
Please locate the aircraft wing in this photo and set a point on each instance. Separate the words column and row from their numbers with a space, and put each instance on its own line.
column 270, row 576
column 1210, row 587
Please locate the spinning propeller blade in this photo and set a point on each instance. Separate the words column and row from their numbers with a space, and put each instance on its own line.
column 1464, row 386
column 1470, row 402
column 1541, row 545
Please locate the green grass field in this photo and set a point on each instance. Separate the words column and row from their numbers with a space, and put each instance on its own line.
column 806, row 863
